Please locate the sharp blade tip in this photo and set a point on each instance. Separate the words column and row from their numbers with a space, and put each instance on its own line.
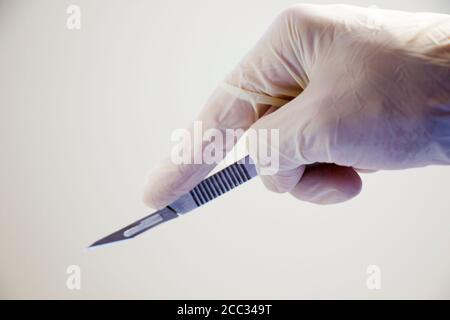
column 105, row 242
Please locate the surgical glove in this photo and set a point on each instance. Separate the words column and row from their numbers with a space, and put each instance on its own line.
column 355, row 89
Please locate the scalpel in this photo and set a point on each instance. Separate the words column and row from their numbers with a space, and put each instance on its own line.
column 207, row 190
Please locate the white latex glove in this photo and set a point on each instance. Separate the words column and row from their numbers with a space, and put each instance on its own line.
column 365, row 88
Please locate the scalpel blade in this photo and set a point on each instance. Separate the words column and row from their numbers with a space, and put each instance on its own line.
column 138, row 227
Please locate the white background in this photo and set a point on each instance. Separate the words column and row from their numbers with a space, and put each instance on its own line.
column 84, row 115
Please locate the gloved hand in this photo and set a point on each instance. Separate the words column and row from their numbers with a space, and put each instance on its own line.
column 361, row 89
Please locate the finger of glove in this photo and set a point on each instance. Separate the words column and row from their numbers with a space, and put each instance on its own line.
column 327, row 184
column 204, row 144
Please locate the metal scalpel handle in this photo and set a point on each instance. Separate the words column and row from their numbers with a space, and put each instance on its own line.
column 215, row 185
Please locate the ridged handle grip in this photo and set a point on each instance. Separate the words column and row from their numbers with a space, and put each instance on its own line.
column 215, row 185
column 223, row 181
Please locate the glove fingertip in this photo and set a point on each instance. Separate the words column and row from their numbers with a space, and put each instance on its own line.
column 151, row 198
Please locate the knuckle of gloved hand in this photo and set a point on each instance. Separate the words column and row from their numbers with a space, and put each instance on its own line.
column 296, row 11
column 305, row 16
